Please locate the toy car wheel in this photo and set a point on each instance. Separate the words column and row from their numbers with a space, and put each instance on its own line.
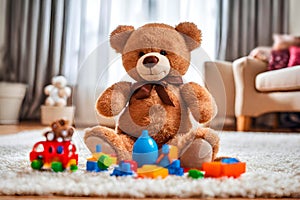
column 73, row 168
column 57, row 166
column 37, row 164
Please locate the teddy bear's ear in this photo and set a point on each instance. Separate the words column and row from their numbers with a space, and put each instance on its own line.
column 119, row 37
column 191, row 34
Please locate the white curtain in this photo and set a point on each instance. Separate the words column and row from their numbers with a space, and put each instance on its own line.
column 98, row 65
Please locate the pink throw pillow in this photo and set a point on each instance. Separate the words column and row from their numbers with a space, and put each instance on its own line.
column 279, row 59
column 294, row 56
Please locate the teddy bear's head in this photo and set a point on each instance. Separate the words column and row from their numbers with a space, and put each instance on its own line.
column 154, row 51
column 60, row 130
column 59, row 81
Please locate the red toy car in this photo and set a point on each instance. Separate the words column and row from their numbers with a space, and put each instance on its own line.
column 55, row 155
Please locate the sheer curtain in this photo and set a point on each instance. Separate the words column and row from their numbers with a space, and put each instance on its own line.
column 36, row 40
column 100, row 66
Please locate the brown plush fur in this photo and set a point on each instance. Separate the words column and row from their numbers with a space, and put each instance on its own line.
column 165, row 123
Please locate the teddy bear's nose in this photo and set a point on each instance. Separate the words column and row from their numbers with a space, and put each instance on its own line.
column 150, row 61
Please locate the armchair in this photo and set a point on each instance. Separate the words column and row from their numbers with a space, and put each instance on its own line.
column 258, row 91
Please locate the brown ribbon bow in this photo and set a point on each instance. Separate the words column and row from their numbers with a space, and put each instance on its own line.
column 143, row 89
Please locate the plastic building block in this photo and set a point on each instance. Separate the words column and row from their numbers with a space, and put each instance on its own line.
column 104, row 162
column 145, row 150
column 175, row 169
column 195, row 174
column 152, row 171
column 98, row 148
column 99, row 161
column 73, row 168
column 229, row 160
column 229, row 168
column 173, row 154
column 92, row 166
column 133, row 164
column 124, row 169
column 96, row 155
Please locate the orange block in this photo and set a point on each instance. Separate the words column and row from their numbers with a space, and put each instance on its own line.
column 219, row 169
column 212, row 169
column 234, row 170
column 152, row 171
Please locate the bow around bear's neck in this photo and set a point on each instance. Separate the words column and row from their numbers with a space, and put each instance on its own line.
column 143, row 89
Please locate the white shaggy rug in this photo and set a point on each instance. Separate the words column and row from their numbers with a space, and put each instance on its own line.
column 273, row 170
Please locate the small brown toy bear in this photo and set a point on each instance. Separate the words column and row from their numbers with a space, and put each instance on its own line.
column 60, row 131
column 156, row 56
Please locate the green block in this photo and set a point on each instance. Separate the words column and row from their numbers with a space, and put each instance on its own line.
column 104, row 162
column 57, row 167
column 37, row 164
column 195, row 174
column 73, row 168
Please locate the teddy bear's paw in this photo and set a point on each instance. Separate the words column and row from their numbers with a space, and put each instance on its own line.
column 110, row 142
column 211, row 137
column 199, row 151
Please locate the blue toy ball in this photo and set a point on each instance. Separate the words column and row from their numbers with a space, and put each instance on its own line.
column 145, row 150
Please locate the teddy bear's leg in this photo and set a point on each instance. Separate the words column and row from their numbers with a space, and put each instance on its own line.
column 203, row 149
column 61, row 102
column 110, row 141
column 49, row 101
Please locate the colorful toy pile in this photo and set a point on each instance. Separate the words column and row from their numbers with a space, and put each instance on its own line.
column 100, row 161
column 58, row 153
column 149, row 163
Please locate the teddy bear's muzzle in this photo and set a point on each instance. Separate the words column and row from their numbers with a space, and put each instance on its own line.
column 150, row 61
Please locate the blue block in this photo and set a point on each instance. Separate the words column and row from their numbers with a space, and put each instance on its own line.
column 92, row 166
column 98, row 148
column 230, row 160
column 176, row 164
column 122, row 170
column 175, row 169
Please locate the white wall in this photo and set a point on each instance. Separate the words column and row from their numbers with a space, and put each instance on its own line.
column 294, row 17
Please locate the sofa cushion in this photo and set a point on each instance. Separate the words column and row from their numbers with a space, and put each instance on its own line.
column 294, row 56
column 279, row 59
column 286, row 79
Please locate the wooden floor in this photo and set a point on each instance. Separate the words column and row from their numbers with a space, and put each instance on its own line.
column 34, row 125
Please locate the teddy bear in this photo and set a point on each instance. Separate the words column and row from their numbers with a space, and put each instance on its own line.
column 61, row 130
column 57, row 92
column 157, row 56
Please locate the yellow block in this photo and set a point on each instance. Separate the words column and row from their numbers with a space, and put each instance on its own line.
column 152, row 171
column 96, row 156
column 173, row 152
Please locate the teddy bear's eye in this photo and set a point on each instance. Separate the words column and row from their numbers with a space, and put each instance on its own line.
column 141, row 54
column 163, row 52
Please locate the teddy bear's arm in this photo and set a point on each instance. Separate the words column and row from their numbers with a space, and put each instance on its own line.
column 200, row 102
column 112, row 101
column 48, row 89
